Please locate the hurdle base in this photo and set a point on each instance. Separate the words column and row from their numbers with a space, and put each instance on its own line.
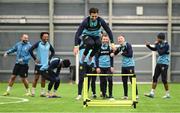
column 124, row 103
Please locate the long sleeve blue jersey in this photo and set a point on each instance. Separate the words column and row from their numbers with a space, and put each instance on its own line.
column 92, row 28
column 127, row 54
column 22, row 51
column 163, row 51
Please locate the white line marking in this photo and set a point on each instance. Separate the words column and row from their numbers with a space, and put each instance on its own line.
column 17, row 100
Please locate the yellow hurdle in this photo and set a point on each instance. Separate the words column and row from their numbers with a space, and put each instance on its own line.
column 88, row 102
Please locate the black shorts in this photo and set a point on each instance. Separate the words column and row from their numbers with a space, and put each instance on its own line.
column 21, row 70
column 37, row 69
column 161, row 69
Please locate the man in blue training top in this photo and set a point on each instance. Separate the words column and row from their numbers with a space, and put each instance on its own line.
column 41, row 59
column 21, row 66
column 104, row 64
column 162, row 47
column 90, row 30
column 128, row 64
column 53, row 76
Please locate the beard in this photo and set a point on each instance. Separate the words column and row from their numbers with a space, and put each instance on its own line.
column 25, row 41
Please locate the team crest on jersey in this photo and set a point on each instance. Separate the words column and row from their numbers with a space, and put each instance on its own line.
column 93, row 69
column 162, row 68
column 131, row 70
column 81, row 67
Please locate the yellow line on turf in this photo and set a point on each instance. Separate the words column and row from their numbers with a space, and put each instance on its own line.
column 110, row 74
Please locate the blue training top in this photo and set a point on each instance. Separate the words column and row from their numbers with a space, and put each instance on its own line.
column 127, row 54
column 92, row 28
column 42, row 50
column 163, row 51
column 21, row 49
column 103, row 58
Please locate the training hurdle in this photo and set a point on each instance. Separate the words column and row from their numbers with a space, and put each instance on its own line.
column 88, row 102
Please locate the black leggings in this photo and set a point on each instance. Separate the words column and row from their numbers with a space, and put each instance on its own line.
column 104, row 80
column 93, row 43
column 127, row 70
column 83, row 70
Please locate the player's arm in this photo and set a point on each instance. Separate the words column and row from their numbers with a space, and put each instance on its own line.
column 52, row 52
column 32, row 49
column 12, row 50
column 117, row 51
column 79, row 32
column 58, row 70
column 111, row 61
column 107, row 29
column 128, row 52
column 150, row 47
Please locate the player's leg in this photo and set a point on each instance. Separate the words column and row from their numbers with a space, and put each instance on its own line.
column 164, row 80
column 103, row 85
column 82, row 71
column 92, row 81
column 110, row 86
column 131, row 71
column 10, row 84
column 125, row 83
column 12, row 79
column 100, row 86
column 155, row 80
column 35, row 80
column 89, row 45
column 24, row 74
column 93, row 86
column 125, row 87
column 56, row 86
column 96, row 47
column 43, row 83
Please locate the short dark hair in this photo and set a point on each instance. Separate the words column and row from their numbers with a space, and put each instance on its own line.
column 161, row 36
column 42, row 33
column 93, row 10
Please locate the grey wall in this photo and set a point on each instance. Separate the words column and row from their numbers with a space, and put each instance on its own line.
column 67, row 17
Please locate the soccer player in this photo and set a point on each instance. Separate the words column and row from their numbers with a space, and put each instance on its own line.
column 162, row 47
column 90, row 30
column 128, row 64
column 85, row 67
column 21, row 66
column 53, row 76
column 104, row 63
column 41, row 59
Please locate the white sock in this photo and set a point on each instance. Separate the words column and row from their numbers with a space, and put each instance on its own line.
column 152, row 91
column 42, row 90
column 167, row 92
column 33, row 90
column 8, row 88
column 27, row 90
